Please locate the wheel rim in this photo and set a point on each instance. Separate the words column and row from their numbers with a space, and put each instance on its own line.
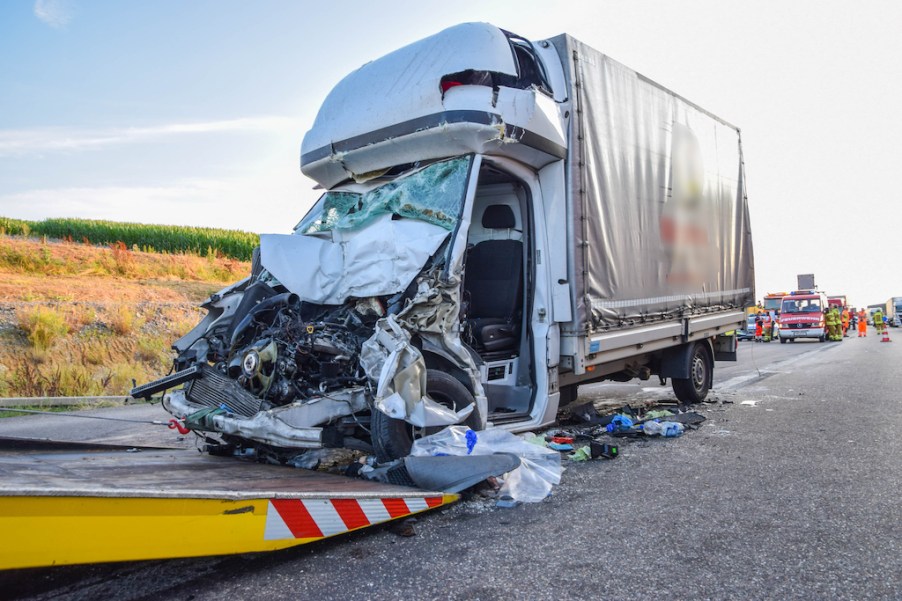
column 699, row 373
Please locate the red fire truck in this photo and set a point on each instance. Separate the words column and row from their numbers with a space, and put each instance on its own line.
column 802, row 316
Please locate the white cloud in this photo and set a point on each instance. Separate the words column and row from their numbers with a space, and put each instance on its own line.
column 55, row 13
column 56, row 139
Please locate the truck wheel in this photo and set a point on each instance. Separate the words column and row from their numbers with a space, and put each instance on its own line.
column 695, row 388
column 822, row 338
column 392, row 438
column 782, row 340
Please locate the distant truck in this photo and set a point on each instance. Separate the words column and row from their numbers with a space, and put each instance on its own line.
column 502, row 221
column 773, row 301
column 802, row 316
column 894, row 311
column 838, row 301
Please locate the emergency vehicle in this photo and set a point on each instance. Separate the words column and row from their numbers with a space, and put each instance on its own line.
column 802, row 316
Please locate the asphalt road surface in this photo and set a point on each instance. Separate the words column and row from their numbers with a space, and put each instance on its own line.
column 790, row 490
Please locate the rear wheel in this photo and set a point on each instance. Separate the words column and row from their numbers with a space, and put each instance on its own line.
column 782, row 340
column 695, row 388
column 392, row 438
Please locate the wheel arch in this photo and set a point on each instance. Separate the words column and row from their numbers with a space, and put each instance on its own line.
column 676, row 361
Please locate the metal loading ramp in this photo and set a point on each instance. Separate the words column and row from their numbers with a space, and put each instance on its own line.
column 76, row 503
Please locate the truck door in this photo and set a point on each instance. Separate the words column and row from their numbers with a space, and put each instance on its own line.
column 497, row 296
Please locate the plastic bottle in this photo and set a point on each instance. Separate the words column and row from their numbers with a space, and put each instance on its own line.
column 672, row 429
column 666, row 429
column 653, row 428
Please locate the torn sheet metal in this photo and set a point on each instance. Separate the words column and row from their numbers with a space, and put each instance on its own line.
column 447, row 473
column 377, row 260
column 400, row 372
column 289, row 426
column 398, row 367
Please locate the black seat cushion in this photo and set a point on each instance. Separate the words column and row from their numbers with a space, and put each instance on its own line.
column 494, row 286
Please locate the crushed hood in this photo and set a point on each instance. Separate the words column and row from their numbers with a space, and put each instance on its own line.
column 380, row 259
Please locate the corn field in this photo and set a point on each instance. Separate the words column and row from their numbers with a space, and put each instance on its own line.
column 155, row 238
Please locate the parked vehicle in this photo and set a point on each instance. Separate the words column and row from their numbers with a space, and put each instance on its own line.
column 773, row 302
column 802, row 316
column 838, row 301
column 747, row 332
column 894, row 311
column 502, row 222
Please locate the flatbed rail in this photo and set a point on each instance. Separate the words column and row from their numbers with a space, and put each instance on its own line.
column 74, row 504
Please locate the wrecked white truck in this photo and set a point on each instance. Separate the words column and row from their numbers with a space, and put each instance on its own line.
column 503, row 221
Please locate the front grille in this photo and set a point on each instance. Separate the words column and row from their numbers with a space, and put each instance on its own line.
column 212, row 389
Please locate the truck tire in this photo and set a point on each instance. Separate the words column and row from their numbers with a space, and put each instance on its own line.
column 392, row 438
column 782, row 340
column 695, row 388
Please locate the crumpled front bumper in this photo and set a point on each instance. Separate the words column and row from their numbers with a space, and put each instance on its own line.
column 292, row 426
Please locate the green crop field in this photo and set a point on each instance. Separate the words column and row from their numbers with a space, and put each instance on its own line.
column 159, row 238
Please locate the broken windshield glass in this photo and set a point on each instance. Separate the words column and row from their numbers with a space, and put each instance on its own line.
column 433, row 194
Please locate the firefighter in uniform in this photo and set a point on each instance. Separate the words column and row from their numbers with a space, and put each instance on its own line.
column 837, row 324
column 846, row 318
column 878, row 321
column 830, row 322
column 862, row 323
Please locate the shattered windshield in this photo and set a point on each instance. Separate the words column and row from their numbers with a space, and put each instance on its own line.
column 433, row 194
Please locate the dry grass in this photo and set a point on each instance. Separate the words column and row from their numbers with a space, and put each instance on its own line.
column 98, row 360
column 29, row 256
column 43, row 326
column 78, row 320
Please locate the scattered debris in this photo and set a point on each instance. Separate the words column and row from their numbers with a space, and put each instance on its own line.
column 749, row 403
column 539, row 469
column 603, row 450
column 404, row 527
column 665, row 429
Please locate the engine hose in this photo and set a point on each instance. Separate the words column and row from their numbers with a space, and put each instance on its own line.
column 289, row 299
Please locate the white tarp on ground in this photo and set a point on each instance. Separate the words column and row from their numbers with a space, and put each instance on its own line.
column 540, row 468
column 379, row 259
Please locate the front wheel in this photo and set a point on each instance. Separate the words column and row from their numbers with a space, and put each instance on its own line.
column 782, row 340
column 392, row 438
column 695, row 388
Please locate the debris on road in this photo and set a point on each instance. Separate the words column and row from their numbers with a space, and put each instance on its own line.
column 539, row 469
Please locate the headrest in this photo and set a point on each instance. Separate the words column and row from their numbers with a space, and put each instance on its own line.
column 498, row 217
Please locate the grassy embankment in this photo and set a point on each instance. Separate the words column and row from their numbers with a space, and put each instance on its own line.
column 81, row 320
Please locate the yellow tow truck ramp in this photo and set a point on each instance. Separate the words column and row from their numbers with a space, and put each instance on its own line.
column 64, row 503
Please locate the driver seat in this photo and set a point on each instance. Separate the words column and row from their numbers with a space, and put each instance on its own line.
column 494, row 284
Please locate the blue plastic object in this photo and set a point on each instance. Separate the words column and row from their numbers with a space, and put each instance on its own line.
column 619, row 423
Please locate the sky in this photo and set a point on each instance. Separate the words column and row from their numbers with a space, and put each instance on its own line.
column 192, row 112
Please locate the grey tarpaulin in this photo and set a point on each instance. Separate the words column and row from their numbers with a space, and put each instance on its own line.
column 658, row 201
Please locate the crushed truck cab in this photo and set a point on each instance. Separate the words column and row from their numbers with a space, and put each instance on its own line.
column 503, row 221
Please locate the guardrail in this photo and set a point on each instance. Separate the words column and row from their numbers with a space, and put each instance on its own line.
column 64, row 401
